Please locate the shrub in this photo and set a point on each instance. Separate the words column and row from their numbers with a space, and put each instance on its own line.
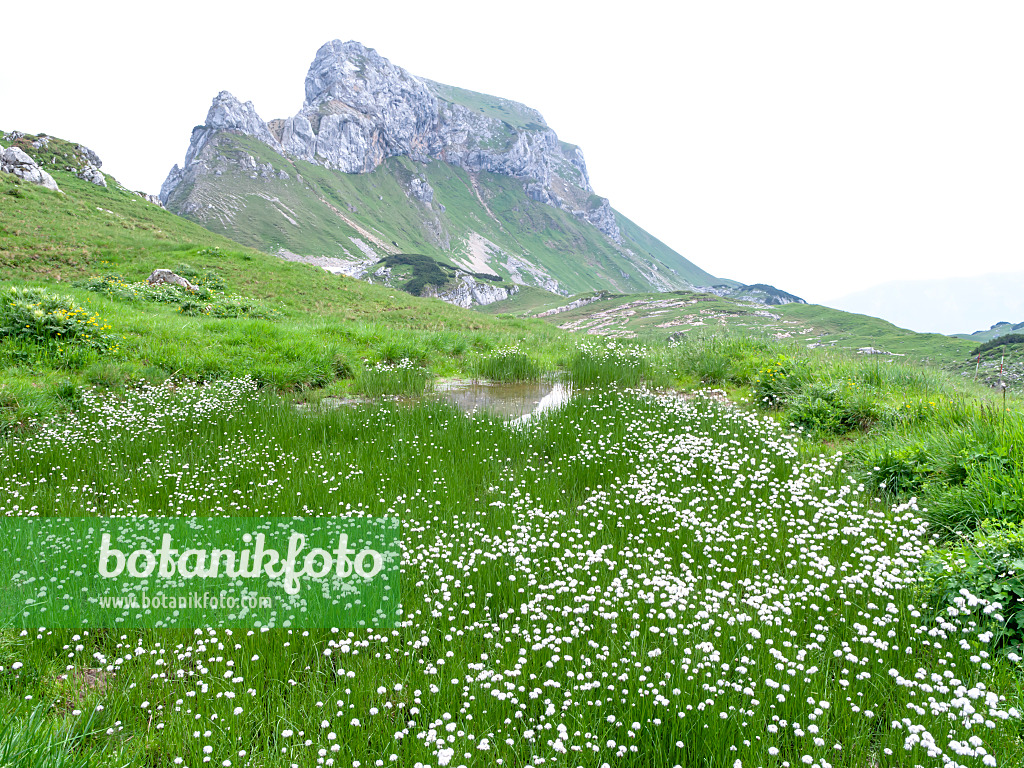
column 55, row 320
column 989, row 564
column 999, row 341
column 831, row 409
column 898, row 469
column 206, row 278
column 777, row 382
column 207, row 300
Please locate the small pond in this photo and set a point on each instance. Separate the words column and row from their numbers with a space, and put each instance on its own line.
column 517, row 401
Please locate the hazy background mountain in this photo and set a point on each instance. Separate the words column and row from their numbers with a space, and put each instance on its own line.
column 954, row 305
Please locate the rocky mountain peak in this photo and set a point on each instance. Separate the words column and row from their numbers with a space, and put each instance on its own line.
column 361, row 79
column 361, row 109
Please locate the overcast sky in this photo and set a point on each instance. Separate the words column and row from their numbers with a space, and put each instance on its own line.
column 820, row 146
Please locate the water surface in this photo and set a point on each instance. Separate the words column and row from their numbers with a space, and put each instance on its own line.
column 516, row 401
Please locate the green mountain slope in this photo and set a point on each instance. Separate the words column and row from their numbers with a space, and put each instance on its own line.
column 323, row 332
column 997, row 330
column 478, row 221
column 379, row 162
column 661, row 317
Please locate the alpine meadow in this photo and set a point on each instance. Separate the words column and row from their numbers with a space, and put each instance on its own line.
column 648, row 517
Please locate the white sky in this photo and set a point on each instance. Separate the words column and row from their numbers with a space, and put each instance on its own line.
column 823, row 147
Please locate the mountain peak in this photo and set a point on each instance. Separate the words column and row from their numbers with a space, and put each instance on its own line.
column 228, row 113
column 358, row 77
column 360, row 111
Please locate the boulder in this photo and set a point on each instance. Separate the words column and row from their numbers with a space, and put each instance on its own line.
column 93, row 174
column 14, row 160
column 166, row 276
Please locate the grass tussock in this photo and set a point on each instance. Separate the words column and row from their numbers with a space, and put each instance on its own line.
column 612, row 363
column 401, row 378
column 509, row 364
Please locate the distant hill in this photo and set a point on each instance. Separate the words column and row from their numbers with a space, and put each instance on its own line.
column 668, row 316
column 999, row 329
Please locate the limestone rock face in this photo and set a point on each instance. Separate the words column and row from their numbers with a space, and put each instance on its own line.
column 421, row 190
column 602, row 217
column 467, row 292
column 229, row 114
column 15, row 160
column 360, row 109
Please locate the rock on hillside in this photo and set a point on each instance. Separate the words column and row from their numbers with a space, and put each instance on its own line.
column 15, row 160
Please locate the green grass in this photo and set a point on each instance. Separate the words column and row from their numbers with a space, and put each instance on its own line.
column 402, row 378
column 515, row 114
column 509, row 364
column 913, row 434
column 997, row 330
column 658, row 317
column 31, row 738
column 528, row 299
column 595, row 365
column 657, row 592
column 582, row 571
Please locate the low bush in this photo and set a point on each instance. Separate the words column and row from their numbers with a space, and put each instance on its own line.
column 207, row 300
column 999, row 341
column 41, row 317
column 778, row 381
column 831, row 409
column 988, row 566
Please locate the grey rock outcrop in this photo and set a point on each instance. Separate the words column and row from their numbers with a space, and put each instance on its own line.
column 226, row 114
column 155, row 199
column 15, row 160
column 93, row 174
column 421, row 190
column 361, row 109
column 159, row 276
column 467, row 292
column 91, row 164
column 602, row 217
column 571, row 305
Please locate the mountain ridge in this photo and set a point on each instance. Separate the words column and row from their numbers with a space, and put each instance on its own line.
column 378, row 162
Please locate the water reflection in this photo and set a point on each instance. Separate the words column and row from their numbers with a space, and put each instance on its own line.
column 517, row 401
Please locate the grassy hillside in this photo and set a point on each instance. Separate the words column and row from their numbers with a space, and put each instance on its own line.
column 473, row 220
column 997, row 330
column 512, row 112
column 660, row 316
column 321, row 332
